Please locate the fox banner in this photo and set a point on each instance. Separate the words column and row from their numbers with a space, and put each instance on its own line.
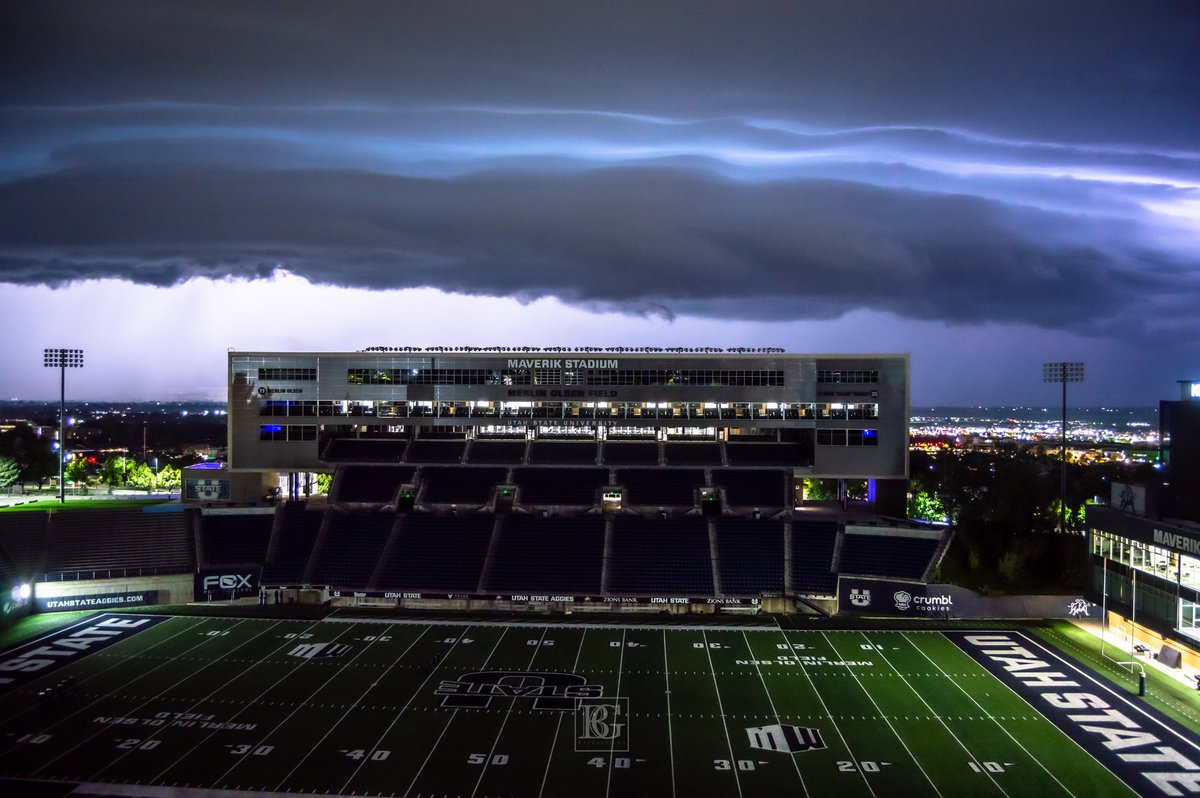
column 218, row 584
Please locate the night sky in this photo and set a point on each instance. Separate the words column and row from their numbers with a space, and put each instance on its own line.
column 986, row 185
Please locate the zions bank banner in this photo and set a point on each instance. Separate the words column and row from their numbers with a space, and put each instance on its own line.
column 918, row 600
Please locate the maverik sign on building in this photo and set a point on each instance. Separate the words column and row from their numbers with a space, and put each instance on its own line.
column 1151, row 753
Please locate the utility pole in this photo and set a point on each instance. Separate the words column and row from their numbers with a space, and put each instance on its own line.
column 62, row 359
column 1063, row 372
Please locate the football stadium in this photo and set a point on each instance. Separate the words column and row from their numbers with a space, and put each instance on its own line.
column 553, row 572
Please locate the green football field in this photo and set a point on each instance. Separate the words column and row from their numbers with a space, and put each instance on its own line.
column 357, row 707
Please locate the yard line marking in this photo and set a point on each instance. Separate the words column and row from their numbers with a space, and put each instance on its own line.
column 670, row 733
column 503, row 723
column 453, row 715
column 825, row 708
column 880, row 712
column 613, row 746
column 350, row 708
column 732, row 759
column 774, row 711
column 287, row 642
column 407, row 705
column 990, row 716
column 102, row 730
column 558, row 727
column 121, row 661
column 940, row 719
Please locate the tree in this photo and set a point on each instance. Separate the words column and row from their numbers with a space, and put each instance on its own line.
column 170, row 478
column 925, row 507
column 114, row 470
column 820, row 490
column 141, row 476
column 324, row 482
column 9, row 471
column 76, row 470
column 33, row 453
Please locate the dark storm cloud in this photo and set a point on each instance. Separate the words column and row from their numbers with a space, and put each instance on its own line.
column 624, row 237
column 962, row 161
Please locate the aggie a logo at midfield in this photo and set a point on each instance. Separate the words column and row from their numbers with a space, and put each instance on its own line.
column 548, row 690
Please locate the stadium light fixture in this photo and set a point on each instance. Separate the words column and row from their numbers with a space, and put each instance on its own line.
column 62, row 359
column 1062, row 372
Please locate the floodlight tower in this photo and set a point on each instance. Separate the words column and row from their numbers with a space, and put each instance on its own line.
column 1063, row 372
column 62, row 359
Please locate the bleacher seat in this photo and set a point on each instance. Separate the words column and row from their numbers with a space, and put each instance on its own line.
column 813, row 543
column 297, row 533
column 371, row 484
column 460, row 485
column 886, row 555
column 365, row 450
column 697, row 454
column 631, row 452
column 559, row 486
column 562, row 453
column 432, row 450
column 118, row 539
column 435, row 553
column 235, row 539
column 660, row 487
column 499, row 452
column 753, row 488
column 750, row 555
column 23, row 540
column 351, row 548
column 657, row 556
column 792, row 455
column 560, row 555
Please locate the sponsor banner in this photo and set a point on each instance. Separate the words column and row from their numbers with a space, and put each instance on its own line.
column 917, row 600
column 95, row 601
column 547, row 690
column 723, row 601
column 1148, row 751
column 36, row 658
column 887, row 597
column 223, row 583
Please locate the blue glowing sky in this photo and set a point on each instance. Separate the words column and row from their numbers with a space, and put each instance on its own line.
column 984, row 185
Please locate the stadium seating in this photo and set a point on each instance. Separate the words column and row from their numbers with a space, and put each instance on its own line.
column 297, row 533
column 462, row 486
column 562, row 453
column 235, row 539
column 656, row 556
column 753, row 488
column 813, row 543
column 693, row 454
column 769, row 454
column 23, row 541
column 437, row 553
column 370, row 484
column 750, row 555
column 535, row 554
column 351, row 548
column 118, row 539
column 432, row 450
column 364, row 450
column 498, row 452
column 559, row 486
column 660, row 487
column 631, row 453
column 886, row 555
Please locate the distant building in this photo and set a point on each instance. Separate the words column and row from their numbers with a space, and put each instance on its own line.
column 1145, row 545
column 830, row 416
